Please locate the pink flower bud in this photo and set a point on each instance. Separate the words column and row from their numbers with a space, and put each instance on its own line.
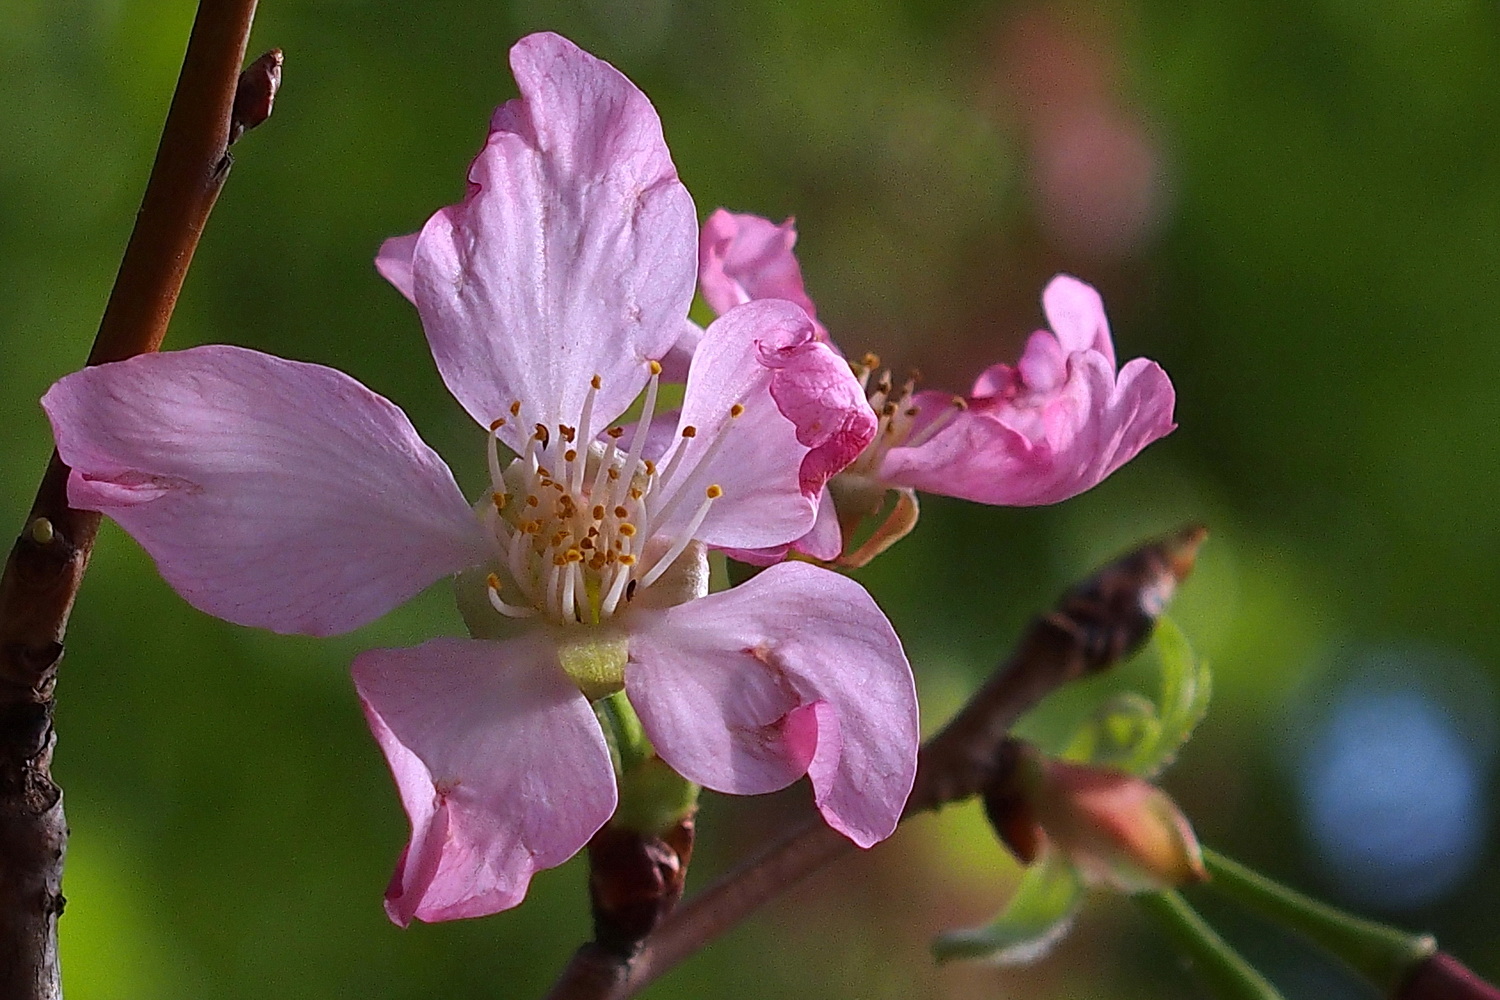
column 1116, row 828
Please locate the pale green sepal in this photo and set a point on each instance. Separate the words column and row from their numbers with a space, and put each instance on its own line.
column 654, row 798
column 594, row 659
column 1037, row 917
column 471, row 593
column 718, row 572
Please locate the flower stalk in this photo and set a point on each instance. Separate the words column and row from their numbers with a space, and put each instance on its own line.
column 1226, row 973
column 1385, row 956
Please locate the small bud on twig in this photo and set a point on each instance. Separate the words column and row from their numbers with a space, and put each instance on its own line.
column 255, row 95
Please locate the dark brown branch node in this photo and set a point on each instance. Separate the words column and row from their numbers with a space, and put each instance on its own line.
column 635, row 880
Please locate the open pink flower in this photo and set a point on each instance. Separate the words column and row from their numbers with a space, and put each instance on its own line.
column 287, row 496
column 1056, row 424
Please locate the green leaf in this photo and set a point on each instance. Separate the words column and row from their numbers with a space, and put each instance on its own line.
column 1120, row 731
column 1037, row 917
column 1134, row 734
column 1186, row 685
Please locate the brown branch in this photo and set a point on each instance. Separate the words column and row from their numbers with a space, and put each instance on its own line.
column 1095, row 625
column 47, row 562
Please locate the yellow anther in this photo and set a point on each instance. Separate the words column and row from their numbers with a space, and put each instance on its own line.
column 42, row 531
column 614, row 473
column 655, row 367
column 635, row 493
column 871, row 360
column 492, row 581
column 960, row 403
column 500, row 499
column 690, row 431
column 515, row 408
column 574, row 555
column 736, row 410
column 496, row 424
column 596, row 382
column 532, row 501
column 627, row 529
column 627, row 560
column 713, row 492
column 570, row 455
column 559, row 560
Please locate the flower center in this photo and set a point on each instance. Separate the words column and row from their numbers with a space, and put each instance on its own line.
column 583, row 521
column 896, row 412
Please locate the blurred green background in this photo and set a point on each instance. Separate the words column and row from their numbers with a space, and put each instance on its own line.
column 1293, row 207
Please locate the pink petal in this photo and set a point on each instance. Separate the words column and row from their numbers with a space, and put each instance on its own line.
column 1042, row 450
column 745, row 257
column 571, row 256
column 824, row 542
column 394, row 263
column 675, row 363
column 1076, row 314
column 804, row 419
column 1053, row 426
column 270, row 493
column 794, row 671
column 500, row 763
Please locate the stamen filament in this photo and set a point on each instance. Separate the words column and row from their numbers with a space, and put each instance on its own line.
column 508, row 610
column 937, row 424
column 638, row 442
column 684, row 537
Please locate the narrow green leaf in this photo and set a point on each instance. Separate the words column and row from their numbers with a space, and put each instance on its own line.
column 1186, row 685
column 1037, row 917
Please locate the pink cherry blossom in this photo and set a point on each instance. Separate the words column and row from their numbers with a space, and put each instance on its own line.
column 1056, row 424
column 288, row 496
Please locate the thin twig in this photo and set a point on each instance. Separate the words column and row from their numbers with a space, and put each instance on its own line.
column 48, row 560
column 1094, row 626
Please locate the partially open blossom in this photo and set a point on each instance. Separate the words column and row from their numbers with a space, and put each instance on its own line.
column 1048, row 428
column 288, row 496
column 1115, row 828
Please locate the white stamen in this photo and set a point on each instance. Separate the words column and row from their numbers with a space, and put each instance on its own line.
column 520, row 547
column 937, row 423
column 585, row 432
column 569, row 590
column 617, row 586
column 684, row 537
column 638, row 442
column 508, row 610
column 497, row 478
column 674, row 491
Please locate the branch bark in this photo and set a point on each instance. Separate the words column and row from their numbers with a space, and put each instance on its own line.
column 1094, row 625
column 47, row 562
